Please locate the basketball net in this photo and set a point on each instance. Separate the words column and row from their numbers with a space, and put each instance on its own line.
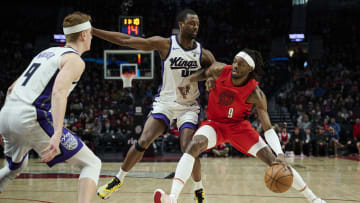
column 127, row 79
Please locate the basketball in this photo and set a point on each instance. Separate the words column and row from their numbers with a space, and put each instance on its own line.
column 278, row 178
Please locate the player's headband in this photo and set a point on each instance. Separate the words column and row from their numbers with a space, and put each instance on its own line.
column 77, row 28
column 247, row 58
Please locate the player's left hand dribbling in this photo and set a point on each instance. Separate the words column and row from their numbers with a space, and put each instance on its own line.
column 51, row 150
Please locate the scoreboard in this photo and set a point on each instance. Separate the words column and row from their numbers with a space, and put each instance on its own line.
column 131, row 25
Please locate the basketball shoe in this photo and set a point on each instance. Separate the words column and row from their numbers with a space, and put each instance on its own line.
column 199, row 195
column 105, row 191
column 318, row 200
column 161, row 197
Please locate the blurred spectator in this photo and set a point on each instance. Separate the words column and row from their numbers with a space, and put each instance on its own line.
column 107, row 128
column 221, row 150
column 297, row 140
column 285, row 137
column 336, row 127
column 320, row 142
column 88, row 139
column 334, row 143
column 308, row 142
column 305, row 123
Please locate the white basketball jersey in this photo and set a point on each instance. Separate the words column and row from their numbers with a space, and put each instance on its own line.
column 176, row 69
column 35, row 84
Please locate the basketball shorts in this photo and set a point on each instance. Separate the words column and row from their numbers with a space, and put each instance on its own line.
column 187, row 116
column 240, row 135
column 24, row 127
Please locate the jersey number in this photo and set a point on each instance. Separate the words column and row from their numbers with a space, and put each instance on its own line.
column 30, row 72
column 185, row 73
column 230, row 112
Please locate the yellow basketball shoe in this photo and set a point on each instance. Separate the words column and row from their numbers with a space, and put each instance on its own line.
column 105, row 191
column 199, row 196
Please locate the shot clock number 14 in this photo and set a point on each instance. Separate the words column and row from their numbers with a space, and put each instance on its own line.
column 131, row 25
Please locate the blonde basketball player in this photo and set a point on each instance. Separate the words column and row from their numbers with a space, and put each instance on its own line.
column 181, row 56
column 26, row 121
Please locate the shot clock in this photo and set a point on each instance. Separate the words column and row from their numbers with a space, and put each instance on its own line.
column 131, row 25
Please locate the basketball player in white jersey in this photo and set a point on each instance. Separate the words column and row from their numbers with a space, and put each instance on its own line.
column 33, row 114
column 181, row 56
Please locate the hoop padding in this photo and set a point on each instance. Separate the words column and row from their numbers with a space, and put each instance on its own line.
column 127, row 79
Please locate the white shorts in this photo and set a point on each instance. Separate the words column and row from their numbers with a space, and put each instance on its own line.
column 187, row 116
column 25, row 127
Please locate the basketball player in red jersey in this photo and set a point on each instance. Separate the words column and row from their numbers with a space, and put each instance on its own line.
column 235, row 93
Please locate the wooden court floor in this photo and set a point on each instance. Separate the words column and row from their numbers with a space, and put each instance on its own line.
column 228, row 180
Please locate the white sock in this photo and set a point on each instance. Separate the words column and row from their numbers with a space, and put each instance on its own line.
column 121, row 175
column 300, row 185
column 198, row 185
column 182, row 174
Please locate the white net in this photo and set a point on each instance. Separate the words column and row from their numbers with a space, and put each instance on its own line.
column 127, row 79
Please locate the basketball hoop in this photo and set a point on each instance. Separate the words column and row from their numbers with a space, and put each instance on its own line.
column 127, row 79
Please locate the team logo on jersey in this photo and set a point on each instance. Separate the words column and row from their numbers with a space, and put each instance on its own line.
column 188, row 67
column 226, row 98
column 69, row 141
column 180, row 63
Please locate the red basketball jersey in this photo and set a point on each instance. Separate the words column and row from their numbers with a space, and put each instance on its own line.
column 227, row 103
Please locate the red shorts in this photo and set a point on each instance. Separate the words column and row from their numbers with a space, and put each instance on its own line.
column 240, row 135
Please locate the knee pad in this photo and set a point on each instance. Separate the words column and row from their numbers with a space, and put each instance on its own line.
column 91, row 169
column 139, row 148
column 88, row 162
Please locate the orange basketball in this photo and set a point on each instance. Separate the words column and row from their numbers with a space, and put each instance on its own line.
column 278, row 178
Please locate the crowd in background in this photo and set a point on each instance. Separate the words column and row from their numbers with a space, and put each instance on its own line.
column 322, row 98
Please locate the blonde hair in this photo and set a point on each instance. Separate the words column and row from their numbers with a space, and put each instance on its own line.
column 74, row 19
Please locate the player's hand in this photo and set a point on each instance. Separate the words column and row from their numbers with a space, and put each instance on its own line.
column 280, row 159
column 51, row 150
column 210, row 84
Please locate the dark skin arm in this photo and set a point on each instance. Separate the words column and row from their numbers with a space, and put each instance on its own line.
column 258, row 99
column 157, row 43
column 209, row 74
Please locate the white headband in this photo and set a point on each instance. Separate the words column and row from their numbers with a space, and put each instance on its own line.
column 77, row 28
column 247, row 58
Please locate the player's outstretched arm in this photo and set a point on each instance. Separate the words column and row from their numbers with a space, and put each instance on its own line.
column 71, row 69
column 207, row 61
column 258, row 98
column 147, row 44
column 213, row 71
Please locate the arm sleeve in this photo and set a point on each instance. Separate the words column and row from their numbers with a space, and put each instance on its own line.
column 273, row 140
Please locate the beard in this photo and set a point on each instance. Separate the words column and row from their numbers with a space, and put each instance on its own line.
column 191, row 36
column 235, row 76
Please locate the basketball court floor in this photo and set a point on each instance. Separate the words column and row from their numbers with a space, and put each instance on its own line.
column 228, row 180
